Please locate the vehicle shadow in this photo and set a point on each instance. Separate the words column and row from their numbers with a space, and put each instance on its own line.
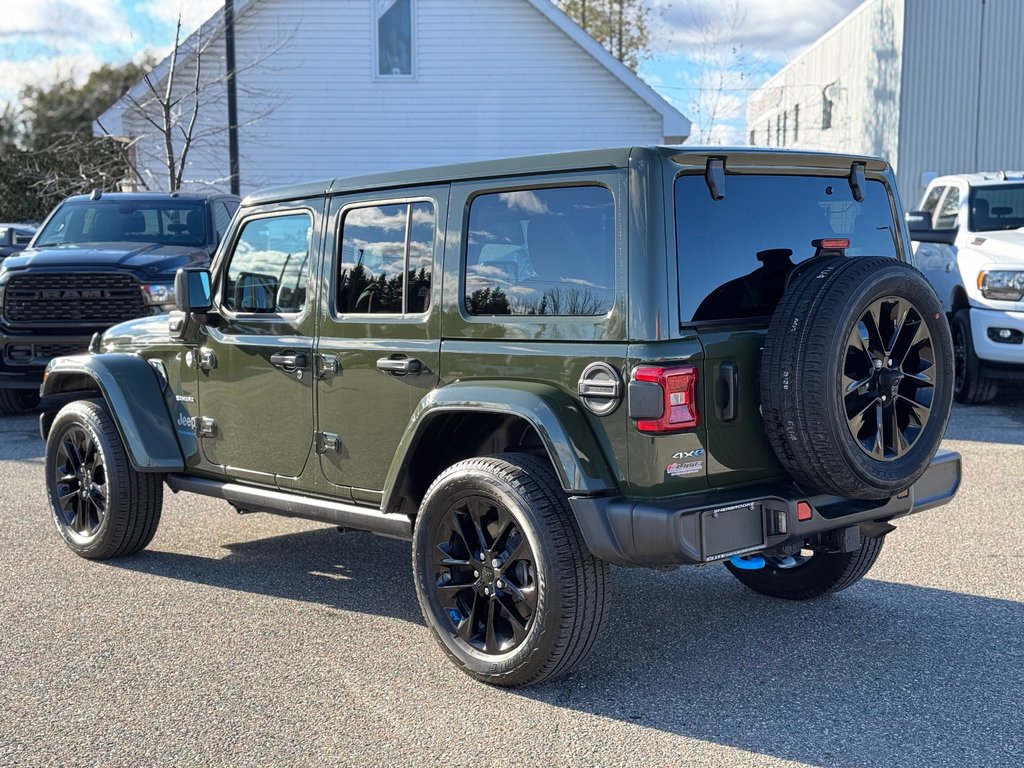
column 19, row 438
column 883, row 674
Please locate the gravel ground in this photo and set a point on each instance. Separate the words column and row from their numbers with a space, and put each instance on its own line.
column 265, row 641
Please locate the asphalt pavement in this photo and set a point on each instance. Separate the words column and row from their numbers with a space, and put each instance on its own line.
column 256, row 640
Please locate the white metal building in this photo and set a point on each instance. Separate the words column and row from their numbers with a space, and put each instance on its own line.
column 934, row 86
column 347, row 87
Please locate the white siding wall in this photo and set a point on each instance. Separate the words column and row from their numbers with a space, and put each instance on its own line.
column 963, row 104
column 494, row 78
column 858, row 62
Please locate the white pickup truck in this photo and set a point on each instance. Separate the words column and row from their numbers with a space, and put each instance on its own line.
column 969, row 242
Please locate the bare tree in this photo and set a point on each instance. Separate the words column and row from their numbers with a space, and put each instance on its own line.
column 724, row 68
column 176, row 105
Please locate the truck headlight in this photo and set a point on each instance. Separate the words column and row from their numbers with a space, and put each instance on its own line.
column 159, row 295
column 1001, row 285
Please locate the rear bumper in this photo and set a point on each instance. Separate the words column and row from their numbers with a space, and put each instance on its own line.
column 717, row 525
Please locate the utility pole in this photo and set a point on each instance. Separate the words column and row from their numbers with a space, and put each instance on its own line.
column 229, row 54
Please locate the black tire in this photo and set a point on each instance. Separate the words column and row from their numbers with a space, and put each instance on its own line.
column 823, row 573
column 15, row 401
column 849, row 409
column 969, row 386
column 102, row 507
column 531, row 539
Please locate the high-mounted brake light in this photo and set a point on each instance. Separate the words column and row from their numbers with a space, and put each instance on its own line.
column 838, row 243
column 679, row 388
column 831, row 246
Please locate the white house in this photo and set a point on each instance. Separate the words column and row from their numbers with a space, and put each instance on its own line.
column 347, row 87
column 935, row 86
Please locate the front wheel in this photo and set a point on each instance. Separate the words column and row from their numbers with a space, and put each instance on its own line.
column 811, row 575
column 102, row 507
column 969, row 385
column 504, row 579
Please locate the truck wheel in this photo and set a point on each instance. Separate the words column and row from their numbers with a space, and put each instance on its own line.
column 18, row 400
column 857, row 377
column 970, row 386
column 103, row 508
column 815, row 575
column 505, row 582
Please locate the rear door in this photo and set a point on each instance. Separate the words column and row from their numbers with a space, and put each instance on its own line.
column 378, row 351
column 735, row 255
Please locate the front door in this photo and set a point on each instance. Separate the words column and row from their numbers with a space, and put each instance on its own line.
column 379, row 347
column 255, row 360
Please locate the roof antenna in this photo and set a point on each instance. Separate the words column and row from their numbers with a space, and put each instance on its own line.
column 714, row 175
column 857, row 182
column 97, row 193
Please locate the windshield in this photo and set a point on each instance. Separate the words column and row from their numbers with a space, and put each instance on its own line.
column 117, row 221
column 735, row 253
column 997, row 207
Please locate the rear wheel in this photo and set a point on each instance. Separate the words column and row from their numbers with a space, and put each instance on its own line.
column 970, row 386
column 15, row 401
column 102, row 507
column 811, row 575
column 505, row 582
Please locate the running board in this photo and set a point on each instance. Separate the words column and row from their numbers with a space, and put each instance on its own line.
column 291, row 505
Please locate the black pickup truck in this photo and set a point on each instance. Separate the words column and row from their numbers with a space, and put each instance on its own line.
column 97, row 260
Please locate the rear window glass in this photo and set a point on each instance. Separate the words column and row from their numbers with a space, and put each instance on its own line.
column 541, row 252
column 735, row 253
column 994, row 208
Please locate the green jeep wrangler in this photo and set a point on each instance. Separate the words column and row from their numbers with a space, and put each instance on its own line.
column 535, row 368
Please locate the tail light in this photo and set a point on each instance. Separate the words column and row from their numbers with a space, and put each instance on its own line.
column 679, row 389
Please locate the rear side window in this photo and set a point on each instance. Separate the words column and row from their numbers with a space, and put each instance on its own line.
column 541, row 252
column 735, row 253
column 949, row 214
column 387, row 256
column 269, row 269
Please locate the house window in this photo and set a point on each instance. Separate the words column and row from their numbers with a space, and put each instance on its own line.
column 394, row 37
column 796, row 123
column 826, row 112
column 752, row 142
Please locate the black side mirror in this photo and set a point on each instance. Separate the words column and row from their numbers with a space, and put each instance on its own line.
column 193, row 289
column 920, row 225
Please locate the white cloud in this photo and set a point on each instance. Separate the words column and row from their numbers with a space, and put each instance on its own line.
column 193, row 12
column 776, row 30
column 43, row 70
column 78, row 22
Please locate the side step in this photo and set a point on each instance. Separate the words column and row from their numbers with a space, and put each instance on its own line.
column 291, row 505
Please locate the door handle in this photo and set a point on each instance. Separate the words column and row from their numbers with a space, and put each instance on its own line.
column 399, row 365
column 729, row 375
column 288, row 360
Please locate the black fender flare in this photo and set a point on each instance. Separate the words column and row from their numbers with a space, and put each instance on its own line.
column 133, row 393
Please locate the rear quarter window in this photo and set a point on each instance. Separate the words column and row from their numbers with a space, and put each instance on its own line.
column 735, row 253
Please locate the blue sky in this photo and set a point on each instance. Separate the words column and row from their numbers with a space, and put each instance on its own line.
column 44, row 39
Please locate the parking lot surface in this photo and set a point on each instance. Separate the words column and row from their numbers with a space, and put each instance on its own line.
column 256, row 640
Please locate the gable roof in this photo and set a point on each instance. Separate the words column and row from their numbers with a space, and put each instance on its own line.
column 675, row 126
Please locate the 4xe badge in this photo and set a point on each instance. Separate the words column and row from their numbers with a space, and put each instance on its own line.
column 682, row 467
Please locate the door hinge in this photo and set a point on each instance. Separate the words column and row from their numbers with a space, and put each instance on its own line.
column 206, row 427
column 327, row 442
column 327, row 366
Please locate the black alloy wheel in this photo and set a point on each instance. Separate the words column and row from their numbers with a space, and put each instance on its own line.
column 102, row 506
column 486, row 574
column 505, row 581
column 80, row 480
column 888, row 384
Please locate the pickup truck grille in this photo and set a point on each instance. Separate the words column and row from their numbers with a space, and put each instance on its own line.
column 93, row 298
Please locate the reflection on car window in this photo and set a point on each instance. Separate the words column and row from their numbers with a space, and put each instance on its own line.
column 997, row 207
column 269, row 269
column 387, row 256
column 114, row 221
column 762, row 228
column 541, row 252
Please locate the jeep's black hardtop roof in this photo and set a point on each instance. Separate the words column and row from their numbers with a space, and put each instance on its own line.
column 591, row 159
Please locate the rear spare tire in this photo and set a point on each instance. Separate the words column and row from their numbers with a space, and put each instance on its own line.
column 857, row 377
